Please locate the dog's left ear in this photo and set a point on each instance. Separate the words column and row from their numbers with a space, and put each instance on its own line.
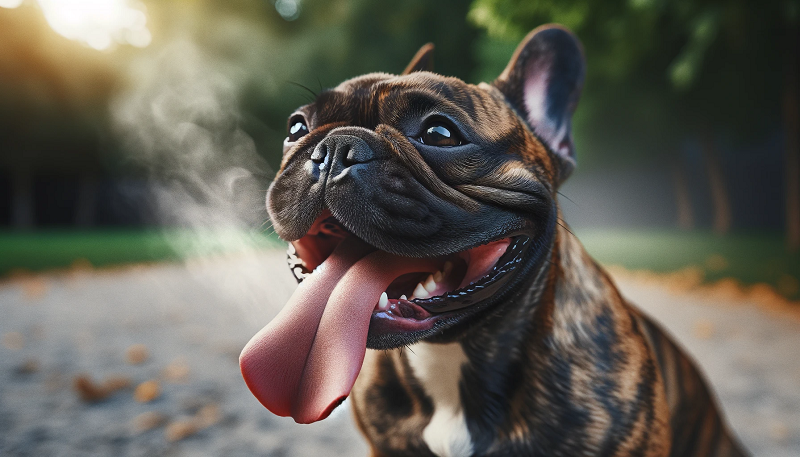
column 422, row 60
column 543, row 82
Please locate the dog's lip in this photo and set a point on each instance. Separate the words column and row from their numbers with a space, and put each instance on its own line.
column 481, row 289
column 422, row 314
column 418, row 315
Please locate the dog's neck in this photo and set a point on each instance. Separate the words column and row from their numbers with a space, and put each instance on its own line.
column 555, row 318
column 560, row 303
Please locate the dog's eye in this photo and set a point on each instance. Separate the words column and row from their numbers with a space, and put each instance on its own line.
column 297, row 128
column 441, row 135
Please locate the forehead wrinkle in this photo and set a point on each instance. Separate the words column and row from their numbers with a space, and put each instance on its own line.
column 330, row 106
column 424, row 100
column 351, row 101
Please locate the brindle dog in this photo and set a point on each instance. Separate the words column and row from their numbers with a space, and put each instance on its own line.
column 531, row 350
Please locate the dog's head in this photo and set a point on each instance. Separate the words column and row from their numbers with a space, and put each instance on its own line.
column 412, row 203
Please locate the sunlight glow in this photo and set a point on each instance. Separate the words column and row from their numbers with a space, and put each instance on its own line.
column 10, row 3
column 98, row 23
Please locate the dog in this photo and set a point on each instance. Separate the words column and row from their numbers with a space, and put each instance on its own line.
column 439, row 290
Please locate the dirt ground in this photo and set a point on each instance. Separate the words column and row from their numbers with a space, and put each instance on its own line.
column 142, row 361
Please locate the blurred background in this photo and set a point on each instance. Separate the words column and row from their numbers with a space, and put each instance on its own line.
column 141, row 131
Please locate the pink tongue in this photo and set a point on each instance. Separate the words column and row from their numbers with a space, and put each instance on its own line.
column 306, row 360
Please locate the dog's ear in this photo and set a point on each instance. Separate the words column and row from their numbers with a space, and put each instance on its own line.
column 543, row 82
column 422, row 60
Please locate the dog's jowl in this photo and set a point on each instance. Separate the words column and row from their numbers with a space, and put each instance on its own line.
column 439, row 290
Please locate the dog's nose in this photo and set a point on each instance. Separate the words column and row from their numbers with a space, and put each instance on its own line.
column 338, row 153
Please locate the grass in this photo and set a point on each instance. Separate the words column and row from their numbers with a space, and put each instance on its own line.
column 44, row 250
column 750, row 258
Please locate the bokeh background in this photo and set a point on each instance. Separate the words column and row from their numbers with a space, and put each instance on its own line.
column 138, row 138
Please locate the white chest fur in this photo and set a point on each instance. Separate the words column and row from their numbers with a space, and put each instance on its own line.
column 438, row 369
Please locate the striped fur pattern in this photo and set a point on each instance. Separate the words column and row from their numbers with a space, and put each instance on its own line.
column 560, row 364
column 573, row 370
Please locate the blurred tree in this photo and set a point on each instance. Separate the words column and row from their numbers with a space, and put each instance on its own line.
column 328, row 41
column 674, row 69
column 53, row 94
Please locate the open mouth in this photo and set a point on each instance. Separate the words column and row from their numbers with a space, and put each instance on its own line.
column 414, row 301
column 353, row 296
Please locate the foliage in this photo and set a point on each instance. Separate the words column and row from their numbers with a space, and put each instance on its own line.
column 660, row 70
column 334, row 40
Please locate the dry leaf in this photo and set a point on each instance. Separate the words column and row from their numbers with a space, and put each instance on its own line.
column 180, row 429
column 147, row 391
column 136, row 354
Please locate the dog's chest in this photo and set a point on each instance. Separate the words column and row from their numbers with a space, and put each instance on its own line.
column 437, row 367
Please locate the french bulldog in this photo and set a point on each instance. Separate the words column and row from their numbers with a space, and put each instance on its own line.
column 439, row 289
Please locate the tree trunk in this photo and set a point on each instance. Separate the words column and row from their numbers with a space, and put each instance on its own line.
column 22, row 204
column 791, row 121
column 683, row 200
column 716, row 181
column 86, row 201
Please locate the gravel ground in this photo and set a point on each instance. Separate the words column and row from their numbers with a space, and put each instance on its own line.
column 142, row 361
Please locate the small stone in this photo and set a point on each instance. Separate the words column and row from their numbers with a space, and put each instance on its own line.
column 148, row 421
column 180, row 429
column 177, row 371
column 208, row 415
column 136, row 354
column 29, row 366
column 703, row 329
column 88, row 390
column 115, row 383
column 147, row 391
column 14, row 341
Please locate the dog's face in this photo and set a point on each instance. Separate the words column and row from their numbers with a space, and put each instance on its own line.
column 418, row 201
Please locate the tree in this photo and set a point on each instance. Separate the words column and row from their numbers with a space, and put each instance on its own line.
column 691, row 67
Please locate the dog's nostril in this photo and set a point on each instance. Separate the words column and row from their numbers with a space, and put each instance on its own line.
column 349, row 157
column 319, row 153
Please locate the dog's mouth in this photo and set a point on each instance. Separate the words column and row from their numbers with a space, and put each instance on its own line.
column 414, row 301
column 353, row 296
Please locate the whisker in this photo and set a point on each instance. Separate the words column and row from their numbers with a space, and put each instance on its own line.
column 565, row 228
column 306, row 88
column 571, row 200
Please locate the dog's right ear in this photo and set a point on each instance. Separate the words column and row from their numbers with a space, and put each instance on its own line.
column 543, row 82
column 422, row 60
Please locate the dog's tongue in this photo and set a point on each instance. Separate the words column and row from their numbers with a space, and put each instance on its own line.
column 306, row 360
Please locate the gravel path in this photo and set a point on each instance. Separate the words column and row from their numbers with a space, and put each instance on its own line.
column 142, row 361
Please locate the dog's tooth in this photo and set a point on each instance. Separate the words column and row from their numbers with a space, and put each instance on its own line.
column 383, row 302
column 438, row 276
column 430, row 284
column 403, row 297
column 447, row 268
column 420, row 292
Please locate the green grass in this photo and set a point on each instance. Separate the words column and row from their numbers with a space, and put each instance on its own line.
column 36, row 251
column 750, row 258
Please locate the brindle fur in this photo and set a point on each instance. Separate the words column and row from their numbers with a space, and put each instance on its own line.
column 560, row 366
column 574, row 369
